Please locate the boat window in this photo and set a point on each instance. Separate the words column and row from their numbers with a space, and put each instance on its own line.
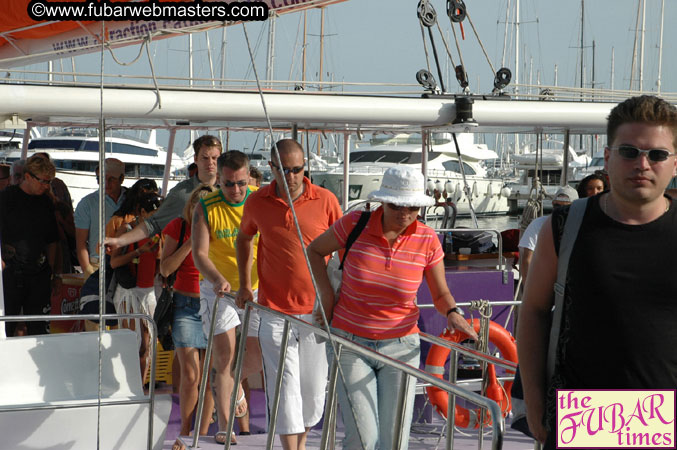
column 65, row 144
column 389, row 156
column 151, row 170
column 454, row 166
column 597, row 162
column 117, row 147
column 548, row 177
column 84, row 166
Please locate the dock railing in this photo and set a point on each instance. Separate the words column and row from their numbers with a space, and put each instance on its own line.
column 497, row 424
column 150, row 400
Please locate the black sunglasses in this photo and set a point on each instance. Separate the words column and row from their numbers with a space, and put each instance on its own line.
column 632, row 152
column 286, row 170
column 42, row 181
column 241, row 183
column 395, row 207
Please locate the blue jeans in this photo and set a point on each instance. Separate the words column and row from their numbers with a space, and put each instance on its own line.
column 374, row 389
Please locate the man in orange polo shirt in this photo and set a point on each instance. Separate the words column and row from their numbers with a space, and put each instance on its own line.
column 285, row 285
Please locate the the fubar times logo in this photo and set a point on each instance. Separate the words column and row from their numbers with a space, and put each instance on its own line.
column 604, row 418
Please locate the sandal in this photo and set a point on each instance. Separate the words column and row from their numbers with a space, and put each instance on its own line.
column 220, row 438
column 242, row 404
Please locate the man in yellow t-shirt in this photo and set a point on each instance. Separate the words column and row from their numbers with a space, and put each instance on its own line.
column 216, row 224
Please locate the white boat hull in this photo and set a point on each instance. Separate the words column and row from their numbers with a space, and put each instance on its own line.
column 487, row 195
column 81, row 184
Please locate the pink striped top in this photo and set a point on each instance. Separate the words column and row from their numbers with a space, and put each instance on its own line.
column 379, row 282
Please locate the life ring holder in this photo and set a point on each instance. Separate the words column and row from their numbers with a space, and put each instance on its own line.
column 437, row 357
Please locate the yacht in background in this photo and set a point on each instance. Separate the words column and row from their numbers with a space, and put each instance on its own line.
column 75, row 153
column 596, row 165
column 547, row 166
column 368, row 163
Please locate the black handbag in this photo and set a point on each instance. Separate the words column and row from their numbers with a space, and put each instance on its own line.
column 164, row 310
column 124, row 275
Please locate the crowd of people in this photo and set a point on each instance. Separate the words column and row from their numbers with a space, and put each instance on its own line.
column 225, row 237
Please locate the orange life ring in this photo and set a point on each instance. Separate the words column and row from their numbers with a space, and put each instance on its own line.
column 437, row 358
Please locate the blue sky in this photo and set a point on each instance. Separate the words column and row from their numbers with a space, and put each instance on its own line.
column 379, row 41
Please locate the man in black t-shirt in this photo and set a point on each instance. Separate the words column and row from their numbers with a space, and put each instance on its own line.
column 619, row 310
column 28, row 232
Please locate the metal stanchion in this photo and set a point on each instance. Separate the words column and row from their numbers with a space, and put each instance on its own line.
column 329, row 429
column 485, row 311
column 238, row 372
column 278, row 383
column 401, row 409
column 451, row 405
column 205, row 374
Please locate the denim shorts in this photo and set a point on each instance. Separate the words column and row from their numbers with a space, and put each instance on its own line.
column 187, row 324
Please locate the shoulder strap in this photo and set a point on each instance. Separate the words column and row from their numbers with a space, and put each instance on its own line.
column 172, row 277
column 355, row 233
column 571, row 227
column 182, row 234
column 135, row 244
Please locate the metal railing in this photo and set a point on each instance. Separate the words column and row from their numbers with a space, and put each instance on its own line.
column 152, row 329
column 497, row 425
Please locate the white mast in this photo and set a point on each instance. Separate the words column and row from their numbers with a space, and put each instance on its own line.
column 641, row 51
column 270, row 64
column 612, row 69
column 517, row 45
column 660, row 50
column 634, row 46
column 505, row 33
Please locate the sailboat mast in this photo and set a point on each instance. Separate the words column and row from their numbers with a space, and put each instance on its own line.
column 582, row 48
column 660, row 49
column 223, row 55
column 505, row 33
column 517, row 45
column 305, row 35
column 319, row 135
column 634, row 46
column 270, row 65
column 641, row 51
column 612, row 68
column 321, row 45
column 580, row 136
column 190, row 59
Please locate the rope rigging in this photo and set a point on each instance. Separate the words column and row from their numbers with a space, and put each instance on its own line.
column 457, row 13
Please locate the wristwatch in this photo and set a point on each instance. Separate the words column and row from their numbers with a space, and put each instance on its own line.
column 454, row 309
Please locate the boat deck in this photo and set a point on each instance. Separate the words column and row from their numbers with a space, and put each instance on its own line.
column 422, row 436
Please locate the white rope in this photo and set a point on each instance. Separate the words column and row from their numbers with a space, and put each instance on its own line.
column 425, row 47
column 458, row 49
column 152, row 71
column 493, row 71
column 446, row 44
column 110, row 50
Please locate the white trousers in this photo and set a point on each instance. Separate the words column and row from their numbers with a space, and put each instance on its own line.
column 304, row 380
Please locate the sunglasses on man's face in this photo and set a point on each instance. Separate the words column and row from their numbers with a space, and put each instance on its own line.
column 286, row 170
column 395, row 207
column 40, row 180
column 241, row 183
column 654, row 155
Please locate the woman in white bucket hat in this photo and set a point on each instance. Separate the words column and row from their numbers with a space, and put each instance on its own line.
column 376, row 304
